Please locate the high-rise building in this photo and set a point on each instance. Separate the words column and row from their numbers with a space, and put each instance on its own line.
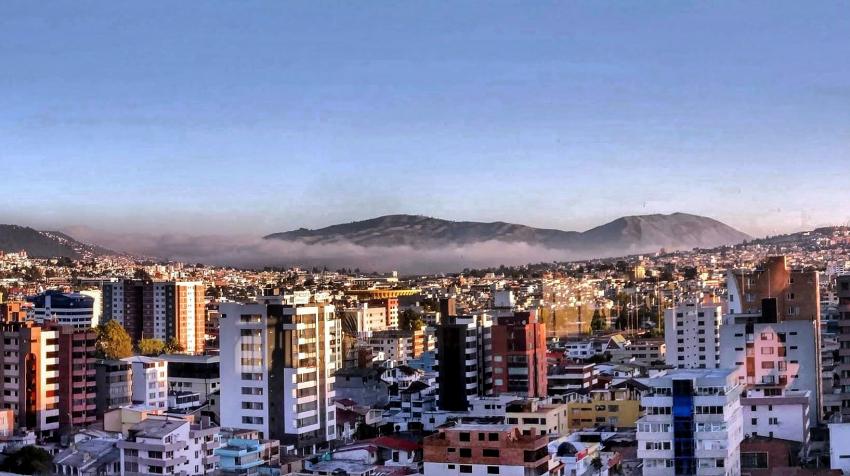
column 773, row 358
column 77, row 376
column 519, row 355
column 843, row 364
column 692, row 335
column 797, row 291
column 164, row 310
column 773, row 325
column 278, row 363
column 30, row 375
column 692, row 423
column 464, row 360
column 65, row 309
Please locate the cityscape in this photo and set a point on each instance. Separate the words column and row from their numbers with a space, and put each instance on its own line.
column 391, row 239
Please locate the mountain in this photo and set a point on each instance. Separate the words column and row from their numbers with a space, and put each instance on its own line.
column 45, row 244
column 627, row 235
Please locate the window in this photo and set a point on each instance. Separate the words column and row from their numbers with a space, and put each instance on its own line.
column 465, row 468
column 466, row 452
column 492, row 470
column 490, row 453
column 464, row 437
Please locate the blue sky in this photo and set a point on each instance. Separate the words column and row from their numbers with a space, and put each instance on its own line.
column 249, row 117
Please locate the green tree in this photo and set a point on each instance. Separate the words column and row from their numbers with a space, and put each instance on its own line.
column 598, row 322
column 596, row 464
column 409, row 320
column 173, row 347
column 113, row 342
column 151, row 347
column 28, row 460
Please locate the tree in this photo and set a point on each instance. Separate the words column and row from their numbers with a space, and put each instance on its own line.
column 113, row 342
column 598, row 322
column 409, row 320
column 151, row 347
column 596, row 464
column 140, row 273
column 173, row 347
column 28, row 460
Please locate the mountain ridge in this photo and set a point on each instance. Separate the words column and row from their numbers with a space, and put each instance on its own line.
column 633, row 234
column 46, row 244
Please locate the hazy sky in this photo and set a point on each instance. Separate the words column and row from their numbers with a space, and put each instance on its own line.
column 224, row 117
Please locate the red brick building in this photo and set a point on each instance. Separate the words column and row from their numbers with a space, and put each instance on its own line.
column 77, row 376
column 519, row 355
column 487, row 449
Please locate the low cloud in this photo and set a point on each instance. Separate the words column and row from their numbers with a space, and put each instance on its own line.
column 253, row 252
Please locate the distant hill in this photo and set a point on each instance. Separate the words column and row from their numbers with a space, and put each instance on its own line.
column 45, row 244
column 627, row 235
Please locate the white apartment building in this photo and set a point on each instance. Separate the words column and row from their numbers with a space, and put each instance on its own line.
column 692, row 335
column 398, row 346
column 363, row 320
column 702, row 408
column 150, row 381
column 786, row 417
column 773, row 359
column 839, row 447
column 277, row 365
column 170, row 446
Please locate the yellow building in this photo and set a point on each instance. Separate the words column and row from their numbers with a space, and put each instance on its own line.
column 617, row 406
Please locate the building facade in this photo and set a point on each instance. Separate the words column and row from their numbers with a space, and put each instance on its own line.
column 77, row 376
column 519, row 355
column 30, row 375
column 464, row 360
column 692, row 335
column 150, row 381
column 692, row 424
column 281, row 360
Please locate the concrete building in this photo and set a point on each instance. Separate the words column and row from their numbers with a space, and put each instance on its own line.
column 150, row 381
column 773, row 357
column 163, row 310
column 14, row 311
column 617, row 406
column 363, row 320
column 786, row 417
column 65, row 309
column 487, row 449
column 692, row 335
column 464, row 360
column 570, row 378
column 281, row 360
column 839, row 447
column 519, row 355
column 193, row 373
column 398, row 345
column 77, row 376
column 115, row 385
column 692, row 424
column 170, row 446
column 30, row 375
column 843, row 365
column 793, row 295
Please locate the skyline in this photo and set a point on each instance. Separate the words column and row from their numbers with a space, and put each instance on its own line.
column 172, row 119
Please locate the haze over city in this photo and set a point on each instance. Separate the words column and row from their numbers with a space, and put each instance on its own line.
column 249, row 118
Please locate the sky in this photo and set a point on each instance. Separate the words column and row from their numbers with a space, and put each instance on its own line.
column 242, row 117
